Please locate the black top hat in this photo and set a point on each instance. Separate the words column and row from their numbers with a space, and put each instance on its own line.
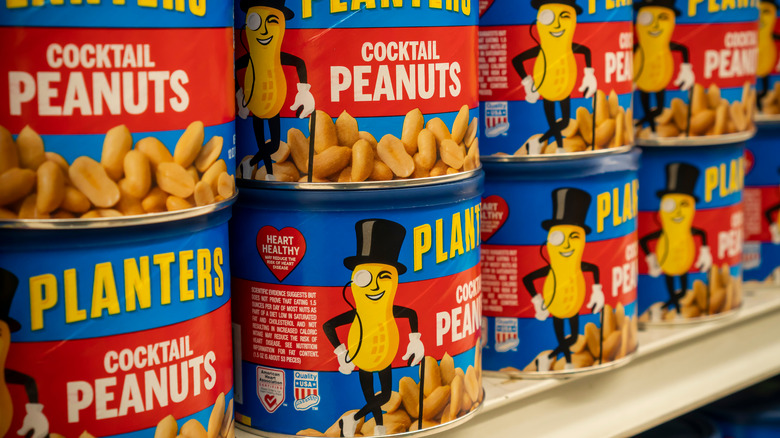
column 662, row 3
column 536, row 4
column 680, row 178
column 8, row 284
column 276, row 4
column 570, row 207
column 378, row 241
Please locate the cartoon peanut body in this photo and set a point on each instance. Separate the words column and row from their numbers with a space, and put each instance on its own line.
column 555, row 67
column 767, row 59
column 373, row 339
column 675, row 250
column 564, row 290
column 35, row 423
column 265, row 86
column 653, row 60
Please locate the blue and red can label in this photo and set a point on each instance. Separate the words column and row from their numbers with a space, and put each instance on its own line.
column 695, row 66
column 369, row 325
column 115, row 336
column 559, row 287
column 761, row 203
column 768, row 69
column 85, row 84
column 383, row 71
column 554, row 76
column 690, row 232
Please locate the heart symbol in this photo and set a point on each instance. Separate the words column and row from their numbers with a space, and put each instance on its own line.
column 484, row 5
column 270, row 400
column 281, row 250
column 492, row 215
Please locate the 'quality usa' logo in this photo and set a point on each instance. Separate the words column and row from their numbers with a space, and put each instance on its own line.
column 305, row 389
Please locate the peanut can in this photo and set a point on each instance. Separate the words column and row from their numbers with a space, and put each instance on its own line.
column 559, row 291
column 115, row 108
column 355, row 91
column 690, row 232
column 761, row 203
column 116, row 327
column 695, row 67
column 554, row 76
column 358, row 311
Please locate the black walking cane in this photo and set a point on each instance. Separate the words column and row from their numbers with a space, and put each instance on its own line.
column 312, row 129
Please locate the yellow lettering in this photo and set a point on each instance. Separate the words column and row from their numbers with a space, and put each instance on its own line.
column 305, row 8
column 370, row 4
column 470, row 229
column 733, row 177
column 219, row 282
column 603, row 209
column 741, row 172
column 13, row 4
column 421, row 243
column 204, row 273
column 43, row 296
column 198, row 7
column 185, row 275
column 710, row 182
column 723, row 189
column 692, row 4
column 478, row 220
column 138, row 284
column 441, row 254
column 712, row 6
column 104, row 296
column 116, row 2
column 465, row 7
column 72, row 311
column 337, row 6
column 591, row 6
column 729, row 4
column 396, row 3
column 164, row 262
column 434, row 4
column 616, row 207
column 627, row 203
column 167, row 4
column 610, row 4
column 456, row 236
column 635, row 196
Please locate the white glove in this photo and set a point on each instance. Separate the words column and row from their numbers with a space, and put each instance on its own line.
column 415, row 349
column 596, row 302
column 534, row 146
column 538, row 301
column 243, row 111
column 531, row 95
column 345, row 367
column 653, row 268
column 34, row 421
column 589, row 83
column 685, row 78
column 303, row 99
column 704, row 262
column 775, row 230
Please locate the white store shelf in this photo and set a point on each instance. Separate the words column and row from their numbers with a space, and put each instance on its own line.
column 675, row 371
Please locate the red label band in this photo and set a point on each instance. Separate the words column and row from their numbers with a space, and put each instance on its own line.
column 125, row 383
column 758, row 202
column 722, row 226
column 282, row 326
column 86, row 81
column 506, row 267
column 430, row 68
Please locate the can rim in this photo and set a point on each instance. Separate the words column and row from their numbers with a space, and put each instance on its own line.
column 764, row 119
column 365, row 185
column 706, row 140
column 115, row 222
column 554, row 157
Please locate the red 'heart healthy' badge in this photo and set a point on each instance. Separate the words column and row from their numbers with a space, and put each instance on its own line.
column 484, row 5
column 493, row 215
column 281, row 250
